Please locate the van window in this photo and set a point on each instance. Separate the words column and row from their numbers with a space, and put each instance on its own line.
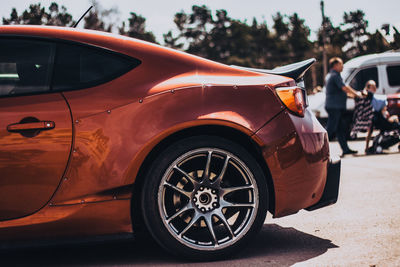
column 393, row 73
column 358, row 82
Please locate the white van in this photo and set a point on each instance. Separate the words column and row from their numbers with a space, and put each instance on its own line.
column 383, row 68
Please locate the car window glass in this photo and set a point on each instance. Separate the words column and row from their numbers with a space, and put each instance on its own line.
column 24, row 66
column 79, row 66
column 393, row 73
column 358, row 82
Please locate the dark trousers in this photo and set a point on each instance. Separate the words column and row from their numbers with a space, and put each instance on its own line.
column 381, row 123
column 336, row 125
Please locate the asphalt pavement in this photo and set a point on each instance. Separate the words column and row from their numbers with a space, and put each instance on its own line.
column 361, row 229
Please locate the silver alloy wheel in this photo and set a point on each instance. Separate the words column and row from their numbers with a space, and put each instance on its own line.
column 208, row 199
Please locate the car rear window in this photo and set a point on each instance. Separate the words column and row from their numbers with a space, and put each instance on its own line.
column 25, row 66
column 78, row 66
column 393, row 73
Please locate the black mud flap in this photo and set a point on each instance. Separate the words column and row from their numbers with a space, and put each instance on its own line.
column 331, row 190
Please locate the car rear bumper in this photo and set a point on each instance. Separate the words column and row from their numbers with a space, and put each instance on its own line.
column 296, row 151
column 331, row 189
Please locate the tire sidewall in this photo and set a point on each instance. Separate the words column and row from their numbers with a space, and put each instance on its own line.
column 149, row 202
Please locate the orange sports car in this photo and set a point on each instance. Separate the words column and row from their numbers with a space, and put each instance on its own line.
column 105, row 135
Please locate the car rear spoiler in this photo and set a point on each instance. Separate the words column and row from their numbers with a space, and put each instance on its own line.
column 295, row 71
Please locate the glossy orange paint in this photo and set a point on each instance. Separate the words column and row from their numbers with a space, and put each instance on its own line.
column 31, row 168
column 297, row 153
column 114, row 126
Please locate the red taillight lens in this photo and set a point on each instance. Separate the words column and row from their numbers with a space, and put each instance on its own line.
column 293, row 98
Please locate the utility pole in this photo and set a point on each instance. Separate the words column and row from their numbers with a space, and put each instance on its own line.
column 324, row 56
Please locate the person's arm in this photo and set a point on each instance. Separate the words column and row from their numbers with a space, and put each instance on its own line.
column 347, row 89
column 350, row 91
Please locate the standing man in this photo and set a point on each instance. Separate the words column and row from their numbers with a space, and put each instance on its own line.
column 335, row 104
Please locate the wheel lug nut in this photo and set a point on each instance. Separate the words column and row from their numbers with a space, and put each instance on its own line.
column 194, row 199
column 203, row 209
column 214, row 191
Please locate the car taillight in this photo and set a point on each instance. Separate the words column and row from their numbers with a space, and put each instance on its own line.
column 293, row 98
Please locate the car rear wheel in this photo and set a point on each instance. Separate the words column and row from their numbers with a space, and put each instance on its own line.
column 204, row 198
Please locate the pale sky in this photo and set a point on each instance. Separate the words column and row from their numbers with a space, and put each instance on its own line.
column 159, row 14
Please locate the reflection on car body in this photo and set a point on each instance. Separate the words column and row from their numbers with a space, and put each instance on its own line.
column 102, row 134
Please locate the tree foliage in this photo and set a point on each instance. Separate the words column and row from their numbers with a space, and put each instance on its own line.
column 137, row 28
column 99, row 18
column 217, row 36
column 37, row 15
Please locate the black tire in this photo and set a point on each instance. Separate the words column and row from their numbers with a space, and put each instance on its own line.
column 181, row 201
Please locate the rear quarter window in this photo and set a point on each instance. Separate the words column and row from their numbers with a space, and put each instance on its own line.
column 79, row 66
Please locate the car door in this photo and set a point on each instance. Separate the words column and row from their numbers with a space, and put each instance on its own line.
column 35, row 127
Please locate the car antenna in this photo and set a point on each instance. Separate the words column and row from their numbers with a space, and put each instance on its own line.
column 76, row 24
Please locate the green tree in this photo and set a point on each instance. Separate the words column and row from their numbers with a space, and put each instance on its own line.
column 335, row 38
column 193, row 30
column 299, row 38
column 396, row 39
column 171, row 41
column 281, row 48
column 99, row 18
column 14, row 18
column 356, row 29
column 58, row 17
column 137, row 28
column 262, row 45
column 37, row 15
column 219, row 44
column 376, row 43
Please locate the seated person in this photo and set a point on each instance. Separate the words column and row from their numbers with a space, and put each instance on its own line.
column 363, row 112
column 381, row 118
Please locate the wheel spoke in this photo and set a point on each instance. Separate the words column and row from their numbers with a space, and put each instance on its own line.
column 180, row 190
column 217, row 181
column 206, row 174
column 221, row 216
column 225, row 191
column 179, row 212
column 196, row 210
column 194, row 182
column 195, row 218
column 227, row 204
column 208, row 220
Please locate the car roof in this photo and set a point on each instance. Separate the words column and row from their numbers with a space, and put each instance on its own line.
column 92, row 37
column 168, row 60
column 373, row 59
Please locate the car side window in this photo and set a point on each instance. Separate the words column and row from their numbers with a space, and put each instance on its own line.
column 79, row 66
column 360, row 79
column 25, row 66
column 393, row 73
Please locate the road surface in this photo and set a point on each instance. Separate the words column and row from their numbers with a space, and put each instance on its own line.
column 361, row 229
